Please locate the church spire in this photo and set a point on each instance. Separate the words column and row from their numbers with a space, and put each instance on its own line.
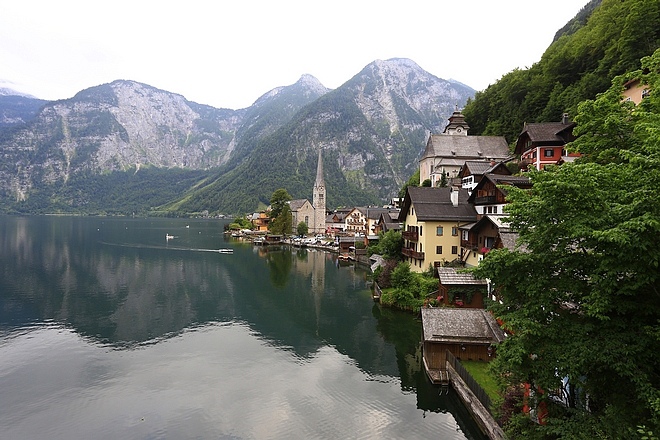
column 319, row 171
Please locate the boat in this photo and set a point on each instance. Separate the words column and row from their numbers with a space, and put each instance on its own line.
column 169, row 237
column 225, row 251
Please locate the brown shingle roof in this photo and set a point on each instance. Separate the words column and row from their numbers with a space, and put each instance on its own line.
column 446, row 324
column 434, row 204
column 449, row 277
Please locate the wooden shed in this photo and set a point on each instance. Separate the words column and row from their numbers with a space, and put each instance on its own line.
column 460, row 289
column 469, row 334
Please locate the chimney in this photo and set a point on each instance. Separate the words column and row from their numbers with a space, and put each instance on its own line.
column 492, row 162
column 564, row 119
column 453, row 195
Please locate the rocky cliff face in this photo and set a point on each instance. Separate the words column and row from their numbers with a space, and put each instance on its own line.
column 373, row 129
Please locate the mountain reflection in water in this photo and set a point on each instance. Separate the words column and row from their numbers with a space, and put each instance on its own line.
column 107, row 325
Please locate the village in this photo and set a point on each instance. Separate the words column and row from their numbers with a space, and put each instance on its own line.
column 449, row 223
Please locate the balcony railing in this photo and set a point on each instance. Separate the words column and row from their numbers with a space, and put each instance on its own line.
column 485, row 200
column 469, row 244
column 410, row 235
column 412, row 253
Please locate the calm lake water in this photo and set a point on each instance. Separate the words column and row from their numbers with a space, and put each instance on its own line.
column 110, row 331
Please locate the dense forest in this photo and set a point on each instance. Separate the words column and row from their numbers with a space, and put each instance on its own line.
column 598, row 44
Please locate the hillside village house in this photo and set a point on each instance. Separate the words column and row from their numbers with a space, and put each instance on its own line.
column 356, row 221
column 473, row 171
column 635, row 91
column 447, row 152
column 489, row 232
column 489, row 196
column 432, row 218
column 543, row 144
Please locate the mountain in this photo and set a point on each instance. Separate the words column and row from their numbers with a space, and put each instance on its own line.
column 17, row 108
column 371, row 131
column 125, row 146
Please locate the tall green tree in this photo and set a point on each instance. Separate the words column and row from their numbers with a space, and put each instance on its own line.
column 582, row 296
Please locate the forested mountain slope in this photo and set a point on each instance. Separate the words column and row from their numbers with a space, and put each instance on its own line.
column 577, row 66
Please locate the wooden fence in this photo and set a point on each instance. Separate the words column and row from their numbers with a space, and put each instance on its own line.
column 469, row 381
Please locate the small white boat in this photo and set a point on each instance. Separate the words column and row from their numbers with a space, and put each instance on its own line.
column 225, row 251
column 169, row 237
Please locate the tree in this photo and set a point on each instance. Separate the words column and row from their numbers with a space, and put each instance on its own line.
column 581, row 298
column 413, row 181
column 280, row 212
column 278, row 200
column 302, row 228
column 283, row 223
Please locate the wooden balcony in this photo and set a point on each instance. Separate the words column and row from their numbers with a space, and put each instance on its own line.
column 469, row 244
column 413, row 254
column 485, row 200
column 410, row 235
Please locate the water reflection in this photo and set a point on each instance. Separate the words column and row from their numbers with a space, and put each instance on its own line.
column 120, row 283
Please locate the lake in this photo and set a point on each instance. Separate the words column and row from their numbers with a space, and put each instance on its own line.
column 108, row 330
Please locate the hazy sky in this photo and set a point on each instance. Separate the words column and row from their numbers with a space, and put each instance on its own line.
column 228, row 53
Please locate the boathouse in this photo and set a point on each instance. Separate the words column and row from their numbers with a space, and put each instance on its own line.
column 469, row 334
column 460, row 289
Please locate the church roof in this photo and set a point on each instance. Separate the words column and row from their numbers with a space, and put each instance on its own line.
column 297, row 204
column 466, row 147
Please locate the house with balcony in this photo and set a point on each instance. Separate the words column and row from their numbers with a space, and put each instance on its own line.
column 472, row 171
column 489, row 196
column 543, row 144
column 447, row 152
column 388, row 221
column 490, row 232
column 355, row 222
column 431, row 220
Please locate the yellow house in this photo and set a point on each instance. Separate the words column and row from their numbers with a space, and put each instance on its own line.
column 432, row 218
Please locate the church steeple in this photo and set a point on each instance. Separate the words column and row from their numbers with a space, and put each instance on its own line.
column 318, row 199
column 457, row 124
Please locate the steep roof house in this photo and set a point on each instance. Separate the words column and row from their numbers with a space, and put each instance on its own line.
column 542, row 144
column 447, row 152
column 388, row 221
column 356, row 221
column 488, row 197
column 432, row 218
column 490, row 232
column 472, row 171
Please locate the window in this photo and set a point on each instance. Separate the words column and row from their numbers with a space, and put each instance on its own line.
column 454, row 231
column 420, row 231
column 438, row 230
column 548, row 152
column 454, row 250
column 307, row 220
column 438, row 250
column 465, row 235
column 494, row 209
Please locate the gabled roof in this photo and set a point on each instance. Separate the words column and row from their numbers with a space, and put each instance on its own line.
column 450, row 277
column 499, row 179
column 297, row 204
column 481, row 167
column 458, row 326
column 434, row 204
column 545, row 133
column 467, row 147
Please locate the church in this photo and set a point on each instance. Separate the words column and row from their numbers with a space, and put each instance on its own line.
column 313, row 214
column 448, row 151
